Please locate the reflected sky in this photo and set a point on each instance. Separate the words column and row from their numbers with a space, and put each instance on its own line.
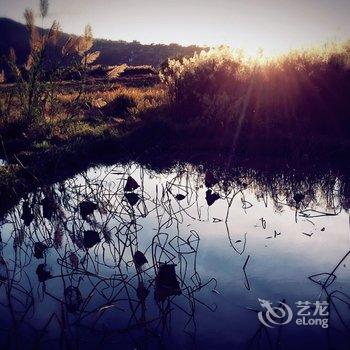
column 251, row 245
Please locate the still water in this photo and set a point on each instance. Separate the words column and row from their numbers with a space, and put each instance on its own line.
column 132, row 258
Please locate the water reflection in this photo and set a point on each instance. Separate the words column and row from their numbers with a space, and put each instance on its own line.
column 126, row 256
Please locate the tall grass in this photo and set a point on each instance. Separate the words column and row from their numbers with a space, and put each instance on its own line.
column 303, row 93
column 37, row 82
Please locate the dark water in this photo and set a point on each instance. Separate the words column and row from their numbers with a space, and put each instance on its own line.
column 216, row 247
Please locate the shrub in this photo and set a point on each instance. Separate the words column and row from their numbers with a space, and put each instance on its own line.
column 207, row 87
column 304, row 91
column 122, row 106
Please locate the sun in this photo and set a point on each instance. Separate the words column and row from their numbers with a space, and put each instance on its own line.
column 260, row 46
column 252, row 44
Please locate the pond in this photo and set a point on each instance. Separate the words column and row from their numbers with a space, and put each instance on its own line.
column 182, row 258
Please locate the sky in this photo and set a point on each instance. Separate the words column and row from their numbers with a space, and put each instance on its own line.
column 273, row 25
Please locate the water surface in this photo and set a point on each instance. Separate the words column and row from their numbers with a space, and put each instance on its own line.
column 68, row 266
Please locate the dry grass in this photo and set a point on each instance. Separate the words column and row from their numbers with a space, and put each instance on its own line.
column 221, row 85
column 144, row 97
column 94, row 116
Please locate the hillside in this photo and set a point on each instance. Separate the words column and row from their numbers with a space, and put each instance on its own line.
column 14, row 34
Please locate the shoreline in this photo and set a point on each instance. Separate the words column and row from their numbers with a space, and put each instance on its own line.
column 159, row 152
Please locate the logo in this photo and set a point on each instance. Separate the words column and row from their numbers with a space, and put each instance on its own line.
column 274, row 315
column 308, row 314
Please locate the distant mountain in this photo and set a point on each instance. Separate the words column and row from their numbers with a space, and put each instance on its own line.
column 14, row 34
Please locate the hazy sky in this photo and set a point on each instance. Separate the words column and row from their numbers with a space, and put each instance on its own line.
column 271, row 24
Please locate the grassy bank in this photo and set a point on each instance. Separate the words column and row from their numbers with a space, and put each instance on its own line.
column 152, row 145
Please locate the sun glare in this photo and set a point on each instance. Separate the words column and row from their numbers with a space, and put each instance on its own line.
column 267, row 49
column 270, row 49
column 253, row 46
